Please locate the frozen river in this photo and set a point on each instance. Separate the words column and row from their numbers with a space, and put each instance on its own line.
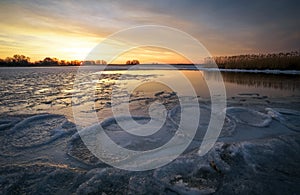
column 41, row 151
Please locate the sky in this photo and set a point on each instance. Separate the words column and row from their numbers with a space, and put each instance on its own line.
column 71, row 29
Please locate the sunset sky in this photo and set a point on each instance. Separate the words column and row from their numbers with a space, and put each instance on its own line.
column 70, row 29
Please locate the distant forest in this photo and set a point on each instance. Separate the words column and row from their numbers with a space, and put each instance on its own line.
column 21, row 60
column 274, row 61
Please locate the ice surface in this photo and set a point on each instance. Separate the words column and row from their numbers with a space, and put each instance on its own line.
column 249, row 116
column 249, row 165
column 205, row 115
column 257, row 152
column 236, row 168
column 78, row 151
column 131, row 141
column 37, row 130
column 287, row 117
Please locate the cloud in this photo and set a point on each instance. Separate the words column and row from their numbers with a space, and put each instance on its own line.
column 226, row 27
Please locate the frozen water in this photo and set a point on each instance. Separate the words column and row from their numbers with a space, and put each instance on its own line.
column 257, row 152
column 249, row 117
column 78, row 151
column 37, row 130
column 134, row 142
column 287, row 117
column 205, row 115
column 258, row 163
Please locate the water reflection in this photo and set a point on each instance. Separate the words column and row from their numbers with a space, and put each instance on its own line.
column 50, row 89
column 272, row 85
column 258, row 80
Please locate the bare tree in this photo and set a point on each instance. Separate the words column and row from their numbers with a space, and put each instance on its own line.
column 133, row 62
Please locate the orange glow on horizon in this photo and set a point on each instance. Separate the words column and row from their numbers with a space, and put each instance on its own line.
column 66, row 48
column 151, row 55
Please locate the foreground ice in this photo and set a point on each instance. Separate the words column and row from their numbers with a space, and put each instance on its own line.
column 287, row 117
column 249, row 117
column 37, row 130
column 257, row 152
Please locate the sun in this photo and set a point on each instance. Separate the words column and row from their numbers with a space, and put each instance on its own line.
column 78, row 53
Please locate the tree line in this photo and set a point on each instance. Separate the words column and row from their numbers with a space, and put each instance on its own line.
column 280, row 61
column 21, row 60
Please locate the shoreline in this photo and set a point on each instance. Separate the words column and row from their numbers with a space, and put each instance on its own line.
column 110, row 67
